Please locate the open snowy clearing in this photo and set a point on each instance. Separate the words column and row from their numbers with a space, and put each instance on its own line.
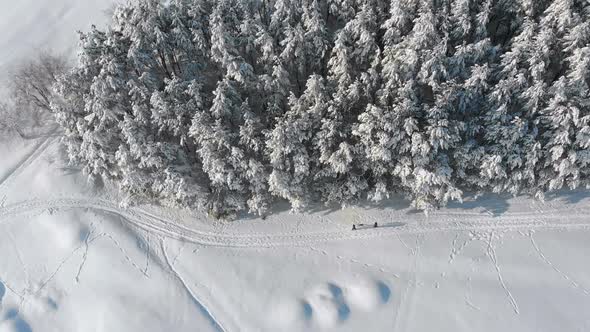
column 29, row 26
column 72, row 260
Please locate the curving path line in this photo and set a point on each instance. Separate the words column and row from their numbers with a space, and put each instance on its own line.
column 215, row 324
column 152, row 223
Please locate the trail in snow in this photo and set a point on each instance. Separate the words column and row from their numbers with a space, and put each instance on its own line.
column 457, row 248
column 125, row 254
column 491, row 252
column 214, row 322
column 86, row 249
column 565, row 276
column 26, row 161
column 173, row 229
column 18, row 253
column 353, row 261
column 151, row 223
column 469, row 295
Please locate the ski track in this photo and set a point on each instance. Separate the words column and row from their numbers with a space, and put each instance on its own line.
column 491, row 252
column 214, row 322
column 162, row 227
column 18, row 253
column 152, row 223
column 575, row 284
column 469, row 295
column 126, row 256
column 26, row 161
column 147, row 256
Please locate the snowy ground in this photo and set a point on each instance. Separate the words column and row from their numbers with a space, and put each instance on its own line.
column 72, row 260
column 31, row 25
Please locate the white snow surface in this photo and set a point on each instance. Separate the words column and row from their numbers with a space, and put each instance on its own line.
column 71, row 259
column 31, row 25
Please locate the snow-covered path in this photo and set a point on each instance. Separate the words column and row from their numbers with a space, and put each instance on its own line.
column 73, row 260
column 560, row 219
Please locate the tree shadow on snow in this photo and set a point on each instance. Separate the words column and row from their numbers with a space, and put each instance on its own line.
column 283, row 206
column 568, row 196
column 494, row 204
column 490, row 204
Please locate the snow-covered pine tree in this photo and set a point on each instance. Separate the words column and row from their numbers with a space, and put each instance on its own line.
column 106, row 104
column 286, row 14
column 566, row 114
column 304, row 46
column 511, row 131
column 159, row 157
column 255, row 99
column 216, row 132
column 181, row 176
column 267, row 48
column 225, row 41
column 255, row 163
column 293, row 56
column 529, row 86
column 413, row 68
column 198, row 22
column 246, row 40
column 230, row 145
column 434, row 76
column 315, row 36
column 293, row 156
column 386, row 127
column 469, row 82
column 343, row 10
column 70, row 107
column 353, row 77
column 276, row 88
column 432, row 182
column 457, row 71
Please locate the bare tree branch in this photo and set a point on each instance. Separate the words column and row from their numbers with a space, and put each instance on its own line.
column 31, row 93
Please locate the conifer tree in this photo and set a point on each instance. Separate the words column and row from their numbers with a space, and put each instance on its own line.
column 233, row 103
column 293, row 156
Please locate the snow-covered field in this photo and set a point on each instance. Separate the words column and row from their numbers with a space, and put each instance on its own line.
column 31, row 25
column 72, row 260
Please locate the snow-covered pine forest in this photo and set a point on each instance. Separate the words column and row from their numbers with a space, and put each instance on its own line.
column 232, row 104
